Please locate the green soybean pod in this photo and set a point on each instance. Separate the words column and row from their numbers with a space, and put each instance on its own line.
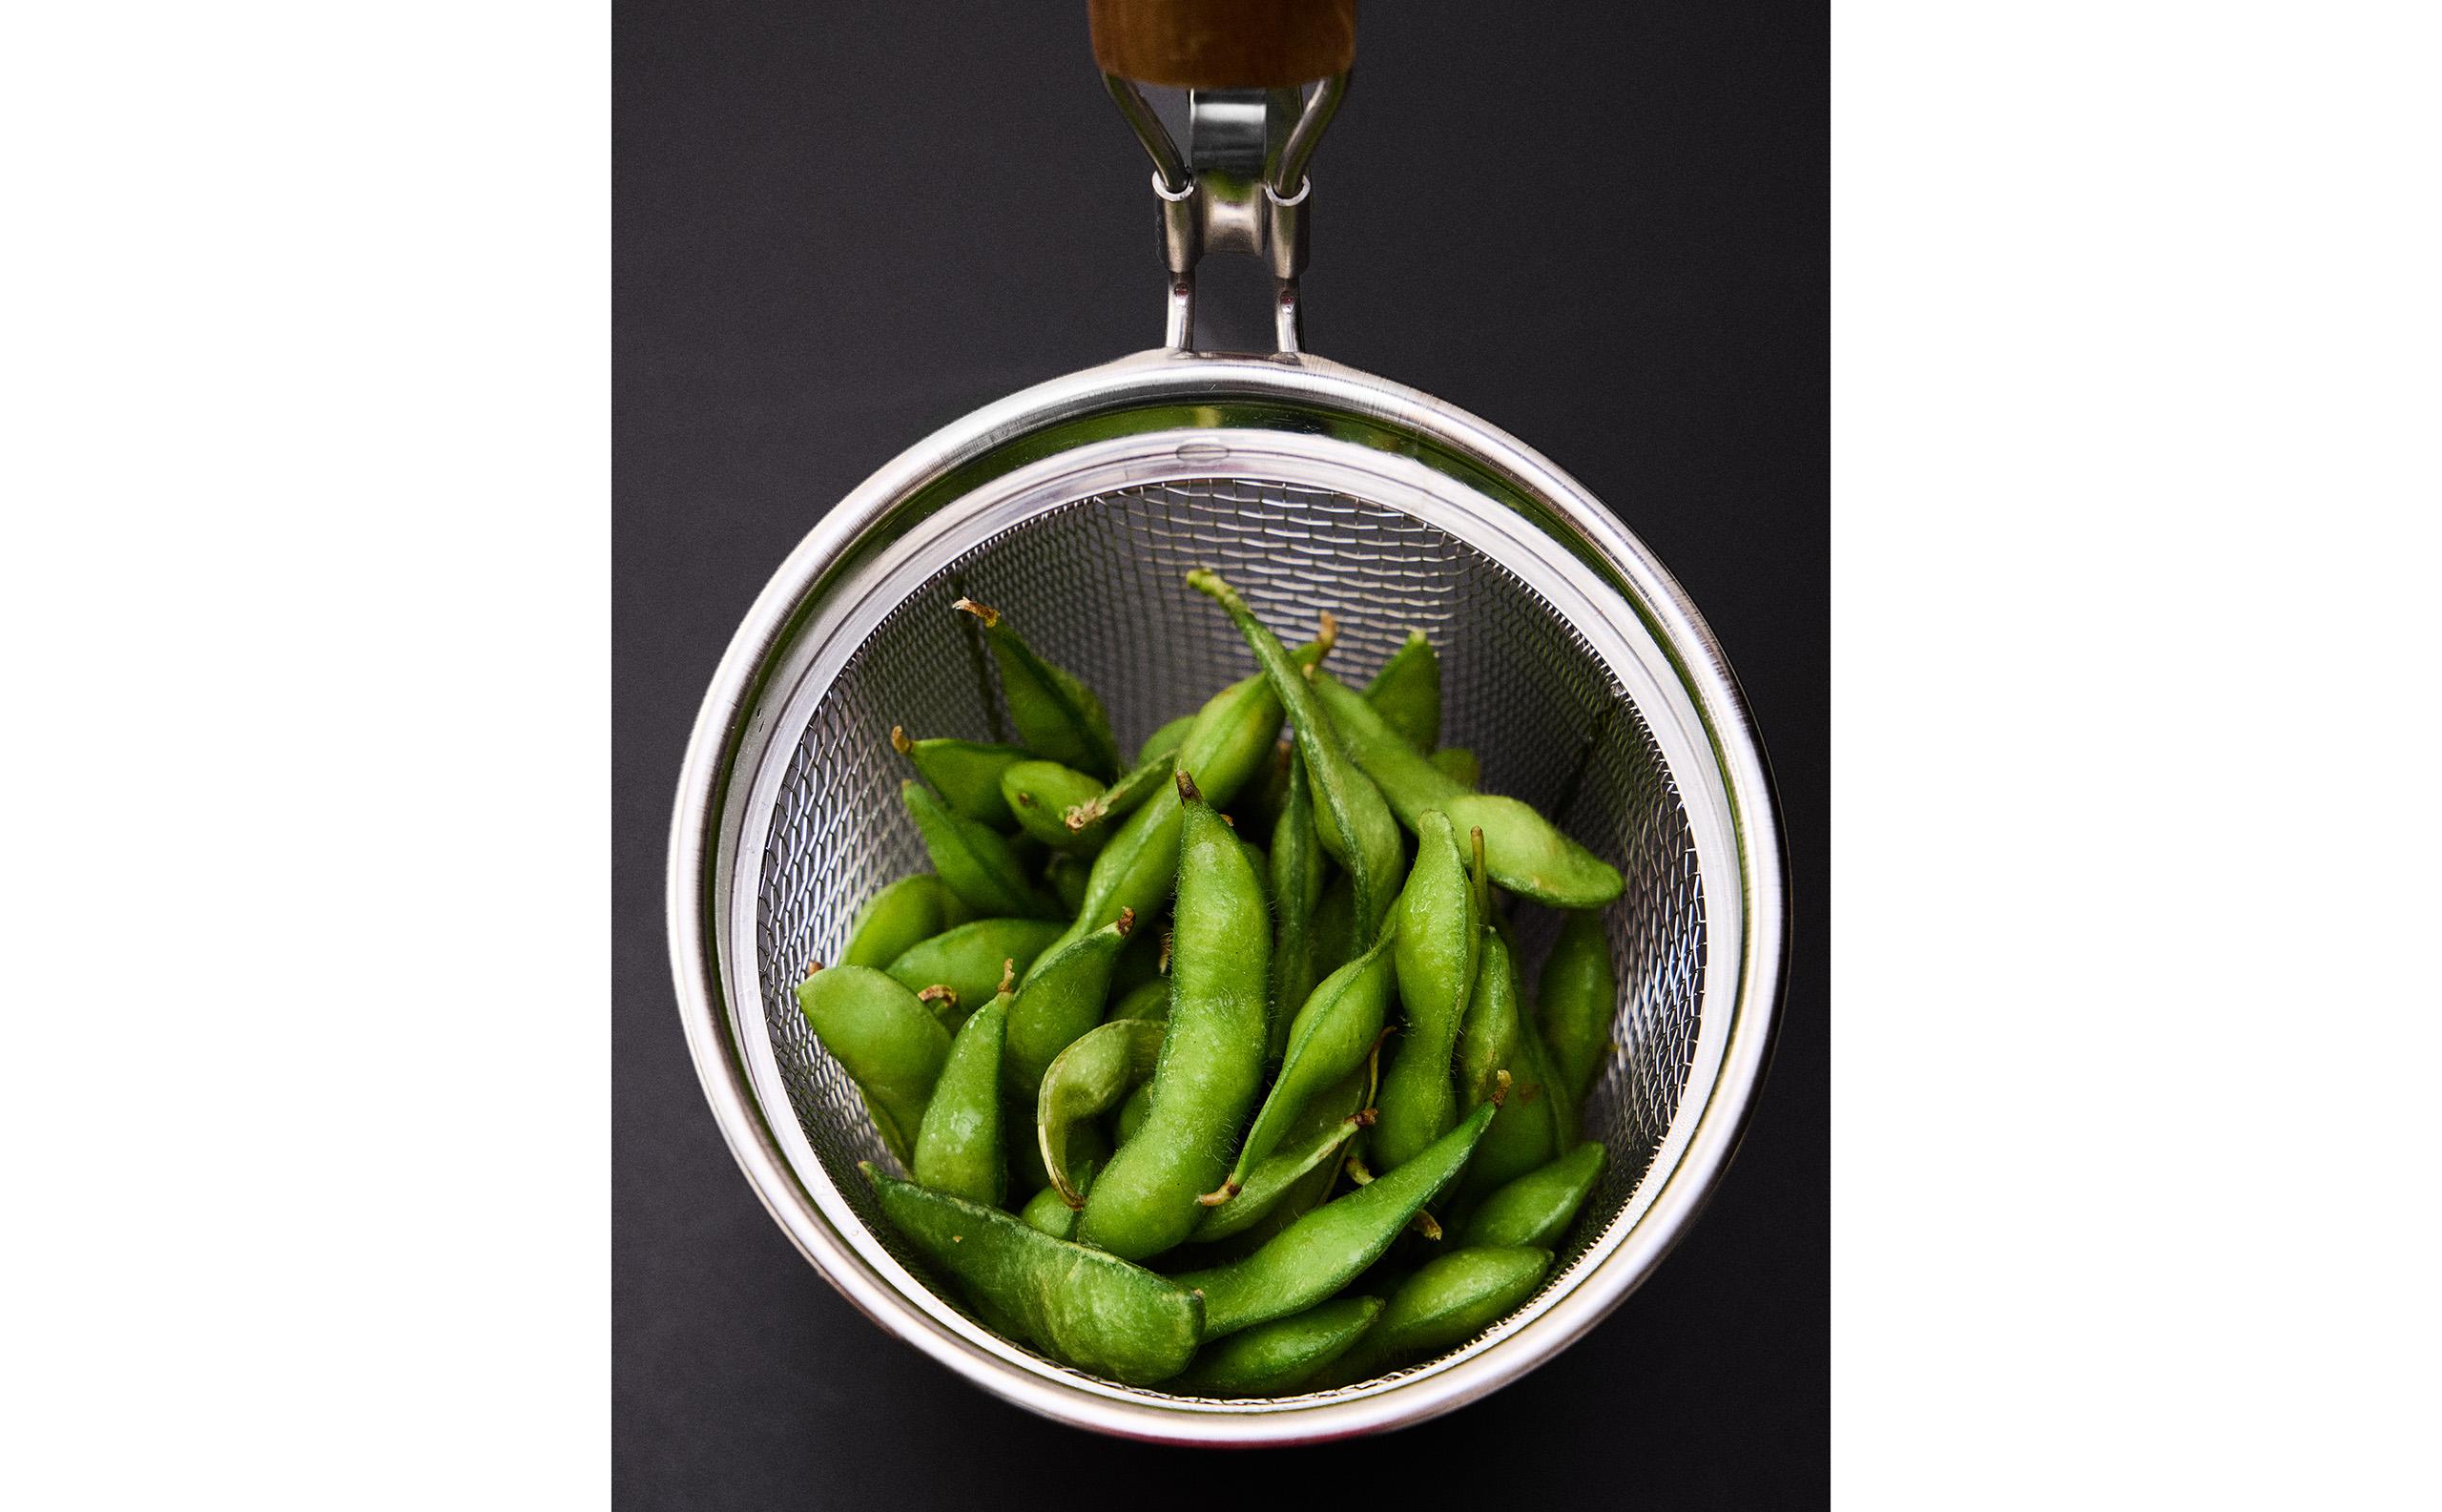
column 1297, row 866
column 1524, row 851
column 1577, row 996
column 888, row 1043
column 1278, row 1192
column 902, row 914
column 1089, row 820
column 1094, row 1310
column 1325, row 1249
column 1056, row 715
column 1147, row 1000
column 1488, row 1034
column 1351, row 818
column 974, row 860
column 1280, row 1174
column 970, row 958
column 1087, row 1145
column 1048, row 1212
column 1460, row 765
column 1334, row 1031
column 966, row 772
column 1133, row 1114
column 1062, row 997
column 1440, row 933
column 958, row 1147
column 1334, row 928
column 1407, row 692
column 1535, row 1209
column 1067, row 875
column 1212, row 1061
column 1087, row 1079
column 1224, row 748
column 1448, row 1300
column 1258, row 806
column 1041, row 794
column 1164, row 741
column 1536, row 1121
column 1278, row 1358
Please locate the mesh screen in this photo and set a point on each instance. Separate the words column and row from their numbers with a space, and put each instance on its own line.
column 1095, row 585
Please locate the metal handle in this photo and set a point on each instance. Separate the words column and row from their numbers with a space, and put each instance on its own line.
column 1241, row 186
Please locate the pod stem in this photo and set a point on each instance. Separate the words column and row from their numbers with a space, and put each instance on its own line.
column 985, row 613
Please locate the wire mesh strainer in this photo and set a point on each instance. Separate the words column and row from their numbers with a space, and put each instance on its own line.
column 1572, row 664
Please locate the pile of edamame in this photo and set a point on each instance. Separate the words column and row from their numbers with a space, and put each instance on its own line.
column 1214, row 1070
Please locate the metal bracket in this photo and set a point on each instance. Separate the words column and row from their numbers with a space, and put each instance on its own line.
column 1241, row 187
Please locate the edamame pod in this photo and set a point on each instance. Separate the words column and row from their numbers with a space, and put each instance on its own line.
column 970, row 958
column 1087, row 1079
column 1087, row 1145
column 1270, row 1182
column 1048, row 1212
column 1226, row 746
column 974, row 860
column 1147, row 1000
column 903, row 914
column 1488, row 1035
column 1276, row 1359
column 1092, row 820
column 1166, row 740
column 1440, row 933
column 1351, row 818
column 1407, row 692
column 1066, row 875
column 1133, row 1114
column 1062, row 999
column 1094, row 1310
column 1261, row 1209
column 1334, row 927
column 1040, row 793
column 1523, row 850
column 958, row 1144
column 1334, row 1032
column 1296, row 887
column 1460, row 765
column 1536, row 1121
column 888, row 1043
column 1325, row 1249
column 1056, row 715
column 1535, row 1209
column 1212, row 1060
column 1449, row 1300
column 1577, row 996
column 966, row 772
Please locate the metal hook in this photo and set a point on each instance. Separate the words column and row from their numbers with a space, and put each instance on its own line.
column 1253, row 201
column 1289, row 173
column 1169, row 166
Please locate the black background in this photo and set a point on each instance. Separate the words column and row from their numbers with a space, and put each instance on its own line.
column 839, row 227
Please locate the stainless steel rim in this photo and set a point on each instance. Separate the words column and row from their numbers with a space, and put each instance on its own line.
column 706, row 837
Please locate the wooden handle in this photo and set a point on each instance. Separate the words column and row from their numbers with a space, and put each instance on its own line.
column 1223, row 44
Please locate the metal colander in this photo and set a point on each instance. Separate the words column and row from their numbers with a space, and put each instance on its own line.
column 1571, row 665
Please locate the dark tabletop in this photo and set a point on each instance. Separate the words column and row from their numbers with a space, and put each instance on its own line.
column 840, row 227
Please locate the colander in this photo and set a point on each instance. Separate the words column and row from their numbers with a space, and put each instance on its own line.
column 1572, row 664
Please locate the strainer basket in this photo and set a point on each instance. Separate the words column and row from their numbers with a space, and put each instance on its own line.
column 1572, row 664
